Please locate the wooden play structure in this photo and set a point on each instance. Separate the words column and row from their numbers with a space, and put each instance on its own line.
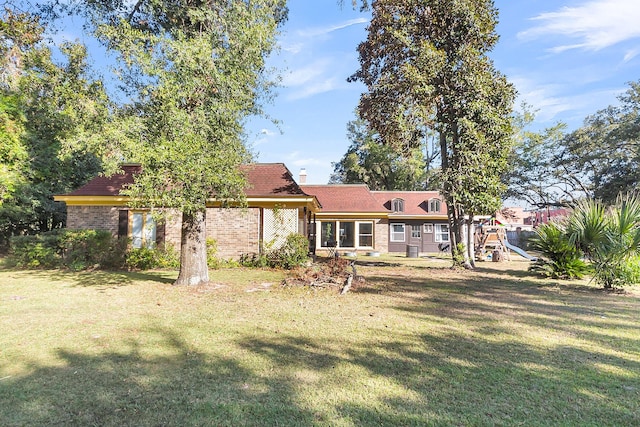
column 491, row 243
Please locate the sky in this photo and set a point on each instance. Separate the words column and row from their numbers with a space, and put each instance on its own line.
column 567, row 59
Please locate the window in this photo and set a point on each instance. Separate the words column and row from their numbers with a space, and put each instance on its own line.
column 328, row 234
column 348, row 234
column 143, row 230
column 397, row 232
column 428, row 228
column 365, row 234
column 435, row 205
column 415, row 231
column 397, row 205
column 442, row 233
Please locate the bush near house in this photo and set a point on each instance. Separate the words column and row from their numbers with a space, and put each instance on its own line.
column 84, row 249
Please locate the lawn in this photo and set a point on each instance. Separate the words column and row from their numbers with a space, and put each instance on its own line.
column 418, row 344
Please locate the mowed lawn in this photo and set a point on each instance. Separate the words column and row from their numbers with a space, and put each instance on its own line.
column 418, row 344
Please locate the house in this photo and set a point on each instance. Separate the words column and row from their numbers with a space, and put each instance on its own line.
column 416, row 218
column 343, row 218
column 355, row 219
column 351, row 219
column 276, row 207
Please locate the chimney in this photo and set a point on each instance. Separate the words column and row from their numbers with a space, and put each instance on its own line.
column 303, row 176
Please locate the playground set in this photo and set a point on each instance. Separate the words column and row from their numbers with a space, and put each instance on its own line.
column 490, row 241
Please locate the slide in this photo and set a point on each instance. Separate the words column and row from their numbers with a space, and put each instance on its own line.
column 519, row 251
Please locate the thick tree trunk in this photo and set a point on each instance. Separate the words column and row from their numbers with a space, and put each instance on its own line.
column 193, row 250
column 456, row 233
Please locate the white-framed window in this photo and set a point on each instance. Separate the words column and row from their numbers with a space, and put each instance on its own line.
column 397, row 233
column 442, row 232
column 143, row 230
column 345, row 234
column 365, row 234
column 415, row 231
column 428, row 228
column 397, row 205
column 435, row 205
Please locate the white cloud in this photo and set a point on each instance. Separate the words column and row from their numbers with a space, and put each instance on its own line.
column 595, row 24
column 267, row 132
column 321, row 31
column 314, row 88
column 303, row 75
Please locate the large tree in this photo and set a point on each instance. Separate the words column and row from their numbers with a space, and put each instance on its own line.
column 194, row 71
column 426, row 61
column 46, row 107
column 603, row 155
column 382, row 166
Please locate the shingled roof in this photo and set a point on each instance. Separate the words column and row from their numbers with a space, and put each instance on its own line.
column 415, row 202
column 345, row 198
column 264, row 180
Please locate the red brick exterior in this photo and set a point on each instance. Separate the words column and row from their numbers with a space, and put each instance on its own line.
column 93, row 217
column 236, row 231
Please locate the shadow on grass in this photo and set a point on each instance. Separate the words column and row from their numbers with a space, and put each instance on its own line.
column 183, row 388
column 102, row 278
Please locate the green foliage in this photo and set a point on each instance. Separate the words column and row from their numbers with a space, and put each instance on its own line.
column 40, row 251
column 385, row 167
column 86, row 249
column 151, row 258
column 73, row 249
column 48, row 111
column 562, row 258
column 426, row 65
column 602, row 156
column 293, row 253
column 535, row 175
column 610, row 237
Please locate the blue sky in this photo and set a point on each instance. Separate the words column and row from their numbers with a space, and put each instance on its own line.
column 567, row 58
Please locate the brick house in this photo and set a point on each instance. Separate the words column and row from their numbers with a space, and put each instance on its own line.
column 343, row 218
column 276, row 207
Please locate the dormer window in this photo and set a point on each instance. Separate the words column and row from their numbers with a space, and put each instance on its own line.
column 397, row 205
column 435, row 205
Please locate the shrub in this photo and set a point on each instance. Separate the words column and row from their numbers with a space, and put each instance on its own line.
column 293, row 253
column 148, row 258
column 562, row 259
column 39, row 251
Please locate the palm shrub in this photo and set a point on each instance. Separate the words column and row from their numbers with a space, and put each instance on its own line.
column 610, row 238
column 562, row 259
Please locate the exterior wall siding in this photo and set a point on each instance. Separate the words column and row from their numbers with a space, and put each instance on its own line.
column 93, row 217
column 426, row 242
column 381, row 236
column 236, row 231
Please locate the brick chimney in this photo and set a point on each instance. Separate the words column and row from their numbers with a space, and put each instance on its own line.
column 303, row 176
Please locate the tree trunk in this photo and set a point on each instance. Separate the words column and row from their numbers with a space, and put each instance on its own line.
column 193, row 250
column 470, row 242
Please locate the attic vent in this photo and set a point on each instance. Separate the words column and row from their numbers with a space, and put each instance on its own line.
column 397, row 205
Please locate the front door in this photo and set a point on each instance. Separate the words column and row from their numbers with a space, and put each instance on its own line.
column 415, row 236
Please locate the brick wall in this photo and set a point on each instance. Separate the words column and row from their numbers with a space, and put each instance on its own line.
column 93, row 217
column 382, row 236
column 236, row 231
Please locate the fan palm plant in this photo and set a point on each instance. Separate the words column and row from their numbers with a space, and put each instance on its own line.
column 610, row 238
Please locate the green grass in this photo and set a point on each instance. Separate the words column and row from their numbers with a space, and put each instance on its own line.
column 417, row 345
